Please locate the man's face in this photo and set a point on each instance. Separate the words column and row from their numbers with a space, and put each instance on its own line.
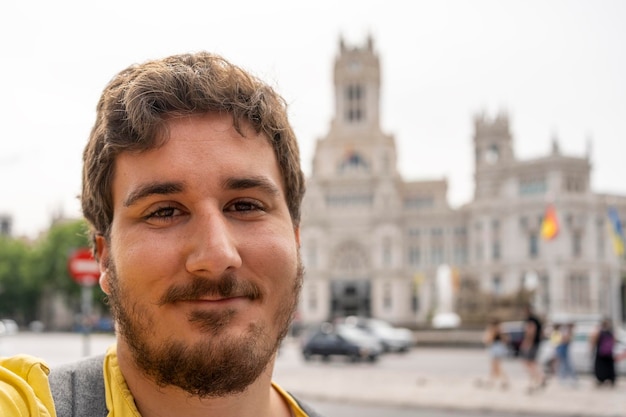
column 202, row 266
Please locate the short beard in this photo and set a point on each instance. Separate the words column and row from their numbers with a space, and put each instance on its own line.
column 217, row 366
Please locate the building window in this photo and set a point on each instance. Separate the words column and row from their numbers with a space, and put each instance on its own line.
column 354, row 93
column 575, row 184
column 387, row 298
column 347, row 200
column 460, row 254
column 496, row 250
column 605, row 293
column 496, row 285
column 387, row 252
column 577, row 292
column 413, row 232
column 533, row 245
column 479, row 251
column 414, row 256
column 436, row 255
column 418, row 202
column 354, row 108
column 533, row 186
column 577, row 244
column 523, row 222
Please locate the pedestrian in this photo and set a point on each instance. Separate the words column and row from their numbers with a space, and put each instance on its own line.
column 529, row 348
column 192, row 189
column 496, row 342
column 602, row 344
column 551, row 358
column 565, row 369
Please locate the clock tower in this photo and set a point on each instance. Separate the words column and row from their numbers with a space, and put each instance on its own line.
column 493, row 150
column 355, row 144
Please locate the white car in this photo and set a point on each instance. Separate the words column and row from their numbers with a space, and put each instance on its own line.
column 393, row 339
column 8, row 327
column 580, row 352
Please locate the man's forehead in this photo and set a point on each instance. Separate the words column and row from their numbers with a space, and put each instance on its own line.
column 219, row 122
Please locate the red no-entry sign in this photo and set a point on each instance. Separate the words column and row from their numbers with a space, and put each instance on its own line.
column 83, row 267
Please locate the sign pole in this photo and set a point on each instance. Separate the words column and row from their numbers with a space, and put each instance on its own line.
column 85, row 270
column 86, row 293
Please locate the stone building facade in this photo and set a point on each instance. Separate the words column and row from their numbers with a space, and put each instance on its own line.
column 372, row 242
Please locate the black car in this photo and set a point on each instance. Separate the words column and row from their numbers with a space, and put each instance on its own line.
column 341, row 340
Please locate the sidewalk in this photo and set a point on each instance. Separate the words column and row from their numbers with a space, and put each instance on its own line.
column 357, row 385
column 371, row 384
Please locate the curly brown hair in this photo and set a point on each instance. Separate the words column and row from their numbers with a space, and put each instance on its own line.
column 134, row 106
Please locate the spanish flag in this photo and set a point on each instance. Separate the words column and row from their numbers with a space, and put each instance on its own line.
column 550, row 224
column 617, row 233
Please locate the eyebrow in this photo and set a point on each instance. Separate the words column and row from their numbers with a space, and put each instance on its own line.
column 233, row 183
column 155, row 188
column 244, row 183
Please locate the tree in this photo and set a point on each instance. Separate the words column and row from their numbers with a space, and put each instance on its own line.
column 18, row 293
column 31, row 272
column 53, row 252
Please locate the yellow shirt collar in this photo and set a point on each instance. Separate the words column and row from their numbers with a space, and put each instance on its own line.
column 121, row 403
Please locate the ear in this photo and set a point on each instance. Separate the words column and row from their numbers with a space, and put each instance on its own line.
column 102, row 254
column 296, row 232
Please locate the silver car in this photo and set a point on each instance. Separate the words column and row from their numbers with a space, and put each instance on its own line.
column 393, row 339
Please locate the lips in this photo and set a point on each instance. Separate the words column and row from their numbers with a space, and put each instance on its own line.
column 216, row 300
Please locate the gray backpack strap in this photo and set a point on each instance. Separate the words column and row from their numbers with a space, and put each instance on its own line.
column 78, row 388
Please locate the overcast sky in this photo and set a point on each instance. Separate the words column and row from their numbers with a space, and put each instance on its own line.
column 556, row 67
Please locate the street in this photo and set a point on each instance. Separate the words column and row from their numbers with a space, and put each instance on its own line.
column 433, row 382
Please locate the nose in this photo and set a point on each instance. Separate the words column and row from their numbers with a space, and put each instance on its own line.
column 213, row 247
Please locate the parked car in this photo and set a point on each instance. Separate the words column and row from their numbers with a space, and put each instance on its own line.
column 393, row 339
column 341, row 340
column 580, row 350
column 514, row 332
column 8, row 327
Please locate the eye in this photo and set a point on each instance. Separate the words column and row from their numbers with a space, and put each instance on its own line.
column 163, row 213
column 245, row 206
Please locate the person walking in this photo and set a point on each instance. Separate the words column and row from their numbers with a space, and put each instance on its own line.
column 552, row 358
column 529, row 348
column 496, row 342
column 602, row 344
column 565, row 369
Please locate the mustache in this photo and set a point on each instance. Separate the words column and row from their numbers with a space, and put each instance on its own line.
column 226, row 286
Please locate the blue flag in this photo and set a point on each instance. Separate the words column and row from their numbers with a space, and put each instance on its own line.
column 617, row 233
